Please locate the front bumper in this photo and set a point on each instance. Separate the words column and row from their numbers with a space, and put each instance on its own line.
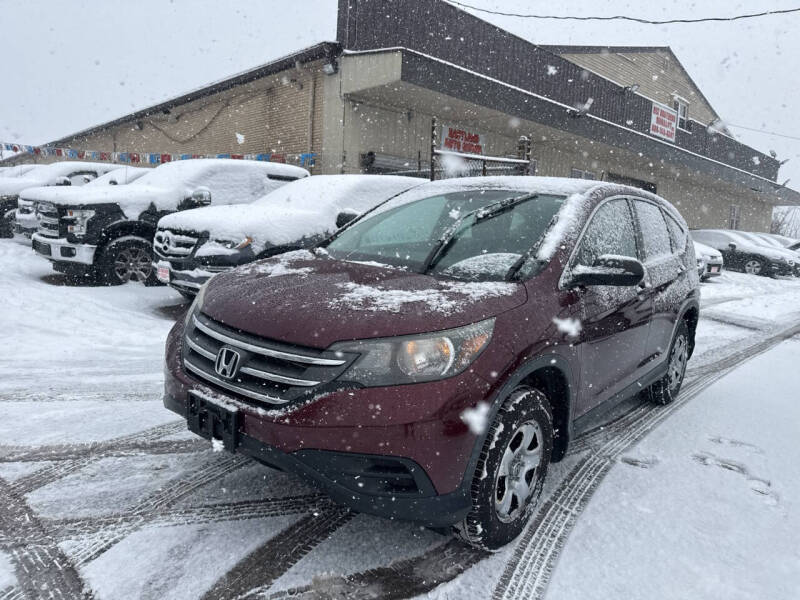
column 184, row 280
column 60, row 250
column 25, row 223
column 407, row 460
column 711, row 269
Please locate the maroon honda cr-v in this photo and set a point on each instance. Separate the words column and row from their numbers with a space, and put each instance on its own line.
column 434, row 356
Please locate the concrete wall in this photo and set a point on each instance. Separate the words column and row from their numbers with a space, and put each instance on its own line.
column 278, row 114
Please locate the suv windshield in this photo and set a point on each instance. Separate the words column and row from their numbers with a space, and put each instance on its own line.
column 480, row 247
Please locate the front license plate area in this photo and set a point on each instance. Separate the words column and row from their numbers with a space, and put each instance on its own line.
column 213, row 421
column 162, row 272
column 715, row 269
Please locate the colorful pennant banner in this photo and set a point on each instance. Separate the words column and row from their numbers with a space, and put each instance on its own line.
column 305, row 159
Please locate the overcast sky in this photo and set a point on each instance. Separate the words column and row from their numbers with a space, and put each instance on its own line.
column 65, row 66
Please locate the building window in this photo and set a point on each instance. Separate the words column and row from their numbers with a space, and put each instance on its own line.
column 733, row 222
column 682, row 108
column 581, row 174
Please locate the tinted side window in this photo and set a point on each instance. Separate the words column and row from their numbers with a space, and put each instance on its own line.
column 677, row 233
column 610, row 231
column 654, row 230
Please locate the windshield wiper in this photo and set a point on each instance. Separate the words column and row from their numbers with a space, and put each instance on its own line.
column 514, row 269
column 481, row 214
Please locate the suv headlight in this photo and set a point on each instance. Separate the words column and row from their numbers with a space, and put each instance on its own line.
column 416, row 358
column 234, row 245
column 197, row 304
column 79, row 219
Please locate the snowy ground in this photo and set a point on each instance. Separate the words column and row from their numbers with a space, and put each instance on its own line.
column 103, row 493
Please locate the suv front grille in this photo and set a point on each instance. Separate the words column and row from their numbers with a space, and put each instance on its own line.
column 174, row 244
column 48, row 220
column 267, row 371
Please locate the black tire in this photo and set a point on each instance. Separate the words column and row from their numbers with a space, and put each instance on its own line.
column 754, row 266
column 666, row 389
column 126, row 259
column 487, row 526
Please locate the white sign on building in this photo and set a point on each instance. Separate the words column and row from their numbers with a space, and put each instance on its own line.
column 663, row 122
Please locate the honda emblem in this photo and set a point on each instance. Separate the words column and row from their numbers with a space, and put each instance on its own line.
column 227, row 363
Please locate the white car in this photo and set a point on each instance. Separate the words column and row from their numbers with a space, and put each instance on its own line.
column 65, row 173
column 709, row 261
column 26, row 218
column 193, row 245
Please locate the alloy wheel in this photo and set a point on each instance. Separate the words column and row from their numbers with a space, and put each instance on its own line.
column 516, row 475
column 133, row 264
column 753, row 267
column 677, row 362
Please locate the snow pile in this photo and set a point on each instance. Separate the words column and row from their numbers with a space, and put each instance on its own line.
column 448, row 298
column 302, row 209
column 477, row 419
column 569, row 327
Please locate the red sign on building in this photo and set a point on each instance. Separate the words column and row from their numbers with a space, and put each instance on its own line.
column 456, row 139
column 663, row 122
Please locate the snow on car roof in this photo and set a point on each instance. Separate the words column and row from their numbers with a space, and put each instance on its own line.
column 122, row 176
column 191, row 172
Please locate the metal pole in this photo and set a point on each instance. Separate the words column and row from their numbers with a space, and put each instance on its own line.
column 433, row 148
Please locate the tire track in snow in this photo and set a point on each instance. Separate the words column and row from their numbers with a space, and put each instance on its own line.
column 528, row 572
column 255, row 573
column 401, row 579
column 42, row 569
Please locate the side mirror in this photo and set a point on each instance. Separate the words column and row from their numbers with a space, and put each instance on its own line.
column 201, row 196
column 732, row 246
column 344, row 217
column 63, row 181
column 609, row 269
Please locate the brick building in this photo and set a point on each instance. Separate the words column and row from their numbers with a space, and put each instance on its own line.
column 366, row 103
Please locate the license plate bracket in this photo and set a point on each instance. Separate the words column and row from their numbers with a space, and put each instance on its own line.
column 715, row 269
column 213, row 421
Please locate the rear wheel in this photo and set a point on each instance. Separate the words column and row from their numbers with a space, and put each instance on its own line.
column 127, row 259
column 511, row 470
column 666, row 389
column 753, row 266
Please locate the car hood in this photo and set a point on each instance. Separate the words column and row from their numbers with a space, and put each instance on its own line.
column 300, row 299
column 706, row 252
column 132, row 199
column 265, row 224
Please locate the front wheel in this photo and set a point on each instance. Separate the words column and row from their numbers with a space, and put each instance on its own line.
column 753, row 266
column 666, row 389
column 127, row 259
column 511, row 470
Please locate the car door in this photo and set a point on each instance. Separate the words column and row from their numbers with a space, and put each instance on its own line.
column 662, row 257
column 615, row 319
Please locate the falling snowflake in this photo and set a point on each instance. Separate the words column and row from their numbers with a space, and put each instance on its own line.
column 569, row 327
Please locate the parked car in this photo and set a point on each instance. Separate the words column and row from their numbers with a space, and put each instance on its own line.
column 772, row 241
column 191, row 246
column 709, row 261
column 107, row 233
column 743, row 254
column 54, row 174
column 26, row 219
column 430, row 359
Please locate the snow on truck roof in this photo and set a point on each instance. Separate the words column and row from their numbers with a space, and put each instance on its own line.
column 187, row 172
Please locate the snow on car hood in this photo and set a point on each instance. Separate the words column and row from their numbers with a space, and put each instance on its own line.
column 132, row 199
column 11, row 186
column 706, row 252
column 285, row 297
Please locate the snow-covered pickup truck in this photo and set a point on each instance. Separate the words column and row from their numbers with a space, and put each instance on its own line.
column 26, row 220
column 68, row 173
column 107, row 233
column 193, row 245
